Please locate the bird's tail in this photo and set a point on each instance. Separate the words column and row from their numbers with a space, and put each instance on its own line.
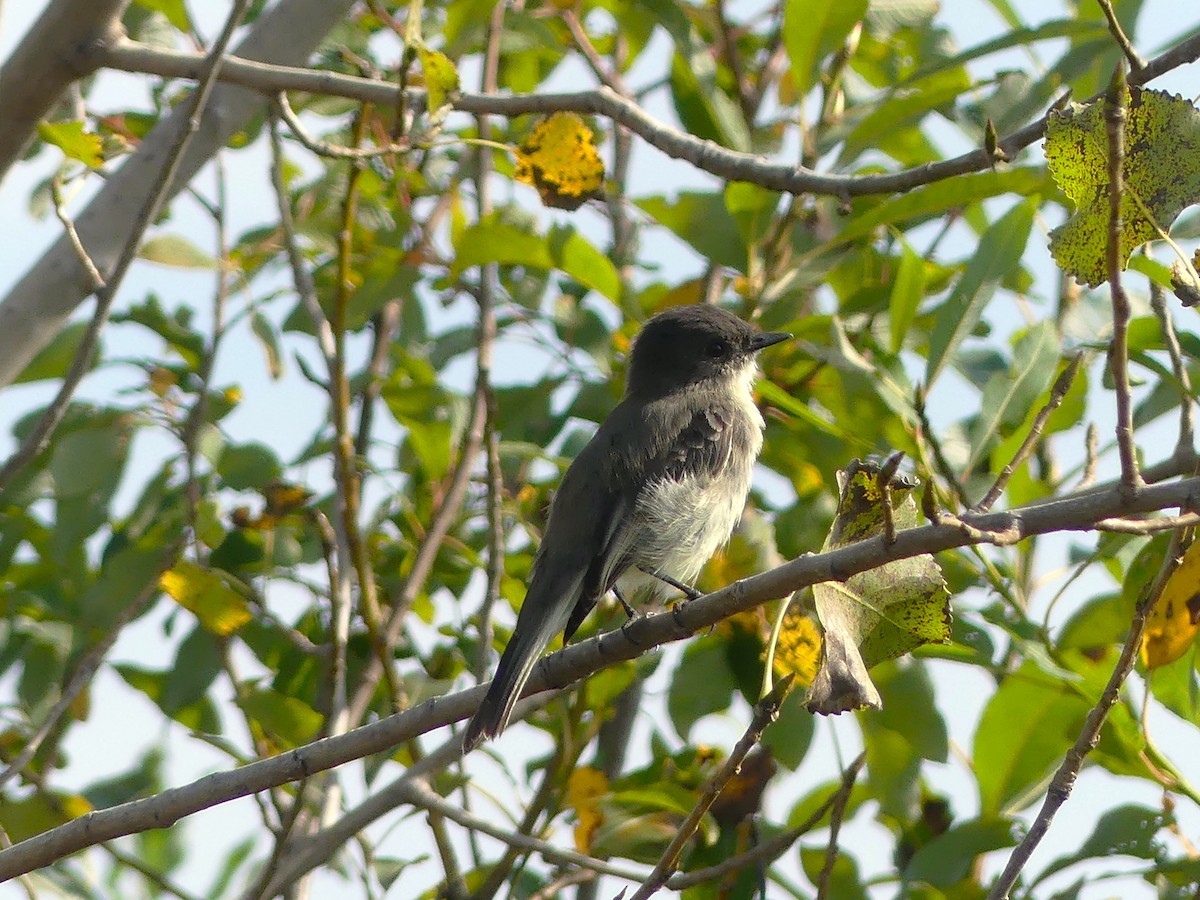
column 516, row 664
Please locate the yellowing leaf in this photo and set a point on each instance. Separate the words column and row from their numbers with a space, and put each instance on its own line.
column 1161, row 176
column 220, row 608
column 1175, row 620
column 585, row 786
column 799, row 647
column 441, row 80
column 73, row 141
column 560, row 159
column 879, row 614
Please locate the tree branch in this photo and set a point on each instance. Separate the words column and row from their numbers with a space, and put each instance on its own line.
column 1071, row 513
column 603, row 101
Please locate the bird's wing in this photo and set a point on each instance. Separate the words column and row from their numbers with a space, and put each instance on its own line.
column 695, row 443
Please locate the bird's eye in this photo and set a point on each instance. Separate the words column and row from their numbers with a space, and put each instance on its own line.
column 717, row 349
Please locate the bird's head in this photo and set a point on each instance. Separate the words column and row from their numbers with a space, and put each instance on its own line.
column 687, row 345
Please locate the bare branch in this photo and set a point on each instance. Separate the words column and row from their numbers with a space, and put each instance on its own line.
column 1064, row 779
column 1187, row 409
column 603, row 101
column 1115, row 116
column 1071, row 513
column 1061, row 385
column 765, row 712
column 1136, row 63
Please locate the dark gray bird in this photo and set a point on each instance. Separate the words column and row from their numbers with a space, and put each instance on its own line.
column 652, row 496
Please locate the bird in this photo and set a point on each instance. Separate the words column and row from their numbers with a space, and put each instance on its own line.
column 651, row 497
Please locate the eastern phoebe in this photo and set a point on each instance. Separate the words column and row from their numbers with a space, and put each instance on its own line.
column 655, row 492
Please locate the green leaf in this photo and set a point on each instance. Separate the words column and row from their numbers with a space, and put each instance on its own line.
column 441, row 78
column 578, row 257
column 694, row 73
column 701, row 219
column 268, row 337
column 177, row 251
column 1161, row 175
column 879, row 614
column 703, row 684
column 201, row 716
column 943, row 196
column 1008, row 395
column 74, row 142
column 198, row 662
column 908, row 290
column 996, row 257
column 248, row 466
column 950, row 857
column 812, row 30
column 286, row 719
column 1023, row 733
column 208, row 594
column 1124, row 831
column 790, row 736
column 174, row 10
column 56, row 357
column 903, row 110
column 495, row 241
column 88, row 462
column 844, row 882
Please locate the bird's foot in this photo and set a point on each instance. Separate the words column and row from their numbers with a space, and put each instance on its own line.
column 629, row 610
column 690, row 592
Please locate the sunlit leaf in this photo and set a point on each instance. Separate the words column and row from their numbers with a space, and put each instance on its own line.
column 74, row 142
column 560, row 159
column 1161, row 175
column 1174, row 622
column 208, row 594
column 879, row 614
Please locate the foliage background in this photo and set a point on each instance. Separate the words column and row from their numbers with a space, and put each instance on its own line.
column 869, row 286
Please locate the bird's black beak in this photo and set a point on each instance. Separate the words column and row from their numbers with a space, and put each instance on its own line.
column 766, row 339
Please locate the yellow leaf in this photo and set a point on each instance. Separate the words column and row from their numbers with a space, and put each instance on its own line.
column 1173, row 623
column 441, row 79
column 220, row 608
column 799, row 647
column 560, row 159
column 585, row 786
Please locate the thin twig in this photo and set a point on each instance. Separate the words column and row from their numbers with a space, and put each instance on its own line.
column 209, row 68
column 86, row 668
column 837, row 811
column 419, row 794
column 929, row 439
column 765, row 712
column 1092, row 459
column 533, row 812
column 884, row 482
column 770, row 849
column 726, row 164
column 609, row 76
column 60, row 210
column 1136, row 63
column 1187, row 412
column 1062, row 385
column 489, row 287
column 1064, row 779
column 1147, row 526
column 324, row 148
column 1115, row 115
column 348, row 496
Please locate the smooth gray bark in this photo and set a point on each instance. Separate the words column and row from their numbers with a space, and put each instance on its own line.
column 40, row 303
column 59, row 49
